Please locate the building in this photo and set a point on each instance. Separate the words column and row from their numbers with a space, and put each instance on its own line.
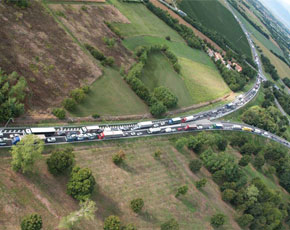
column 210, row 52
column 238, row 67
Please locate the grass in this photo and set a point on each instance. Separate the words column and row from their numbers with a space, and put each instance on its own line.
column 143, row 22
column 219, row 19
column 110, row 95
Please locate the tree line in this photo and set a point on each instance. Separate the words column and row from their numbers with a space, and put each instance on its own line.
column 269, row 67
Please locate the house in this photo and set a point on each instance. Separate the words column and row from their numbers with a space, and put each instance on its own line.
column 238, row 68
column 210, row 52
column 228, row 66
column 218, row 56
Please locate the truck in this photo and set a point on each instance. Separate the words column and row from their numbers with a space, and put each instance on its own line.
column 229, row 106
column 187, row 119
column 218, row 126
column 237, row 127
column 144, row 124
column 44, row 130
column 175, row 120
column 111, row 134
column 93, row 129
column 191, row 127
column 16, row 139
column 247, row 129
column 154, row 130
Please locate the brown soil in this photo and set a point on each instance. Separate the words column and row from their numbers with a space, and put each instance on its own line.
column 35, row 46
column 182, row 21
column 89, row 27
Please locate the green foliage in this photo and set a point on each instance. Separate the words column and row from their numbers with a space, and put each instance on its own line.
column 86, row 211
column 69, row 104
column 78, row 95
column 259, row 161
column 168, row 38
column 25, row 153
column 137, row 204
column 158, row 109
column 218, row 220
column 95, row 52
column 180, row 143
column 12, row 95
column 228, row 195
column 157, row 154
column 283, row 99
column 182, row 190
column 112, row 223
column 19, row 3
column 245, row 220
column 31, row 222
column 61, row 161
column 109, row 61
column 59, row 113
column 201, row 183
column 171, row 224
column 114, row 29
column 95, row 116
column 221, row 142
column 164, row 95
column 129, row 227
column 81, row 183
column 110, row 42
column 195, row 165
column 269, row 68
column 86, row 89
column 119, row 157
column 245, row 160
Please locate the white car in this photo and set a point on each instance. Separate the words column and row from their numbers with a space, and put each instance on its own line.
column 133, row 133
column 50, row 139
column 200, row 127
column 139, row 134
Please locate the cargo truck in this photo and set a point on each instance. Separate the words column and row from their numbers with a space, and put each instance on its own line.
column 187, row 119
column 218, row 126
column 111, row 134
column 191, row 127
column 144, row 124
column 175, row 120
column 154, row 130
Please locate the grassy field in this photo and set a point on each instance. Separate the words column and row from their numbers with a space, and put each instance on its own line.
column 143, row 22
column 110, row 95
column 217, row 18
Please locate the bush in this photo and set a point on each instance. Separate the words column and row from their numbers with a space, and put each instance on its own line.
column 218, row 220
column 20, row 3
column 59, row 113
column 81, row 183
column 109, row 61
column 95, row 53
column 168, row 38
column 95, row 116
column 195, row 165
column 177, row 68
column 112, row 223
column 86, row 89
column 181, row 190
column 245, row 220
column 171, row 224
column 78, row 95
column 119, row 157
column 201, row 183
column 129, row 227
column 110, row 42
column 164, row 95
column 61, row 161
column 137, row 204
column 180, row 143
column 158, row 109
column 245, row 160
column 32, row 222
column 228, row 195
column 221, row 143
column 157, row 154
column 69, row 104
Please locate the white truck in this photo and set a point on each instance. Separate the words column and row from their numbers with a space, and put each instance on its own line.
column 154, row 130
column 144, row 124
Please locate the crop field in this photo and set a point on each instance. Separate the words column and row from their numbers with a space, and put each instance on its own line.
column 110, row 95
column 215, row 16
column 143, row 22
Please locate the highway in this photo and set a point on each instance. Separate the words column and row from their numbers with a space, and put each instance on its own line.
column 204, row 121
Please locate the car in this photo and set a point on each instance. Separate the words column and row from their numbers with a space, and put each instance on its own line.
column 173, row 130
column 61, row 133
column 1, row 134
column 155, row 125
column 162, row 123
column 3, row 143
column 91, row 136
column 168, row 130
column 80, row 137
column 125, row 128
column 139, row 134
column 179, row 129
column 133, row 133
column 200, row 127
column 51, row 140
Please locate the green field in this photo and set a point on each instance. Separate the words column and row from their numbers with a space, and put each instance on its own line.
column 213, row 15
column 110, row 95
column 143, row 22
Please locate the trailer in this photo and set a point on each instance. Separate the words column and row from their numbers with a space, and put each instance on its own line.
column 47, row 131
column 175, row 120
column 144, row 124
column 187, row 119
column 218, row 126
column 111, row 134
column 191, row 127
column 237, row 127
column 93, row 128
column 154, row 130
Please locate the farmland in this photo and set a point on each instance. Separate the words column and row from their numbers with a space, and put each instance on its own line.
column 219, row 19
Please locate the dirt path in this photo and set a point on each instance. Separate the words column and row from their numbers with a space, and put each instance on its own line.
column 182, row 21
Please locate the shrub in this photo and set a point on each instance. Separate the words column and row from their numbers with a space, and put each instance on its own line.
column 171, row 224
column 245, row 220
column 177, row 68
column 119, row 157
column 180, row 143
column 245, row 160
column 109, row 61
column 181, row 190
column 61, row 161
column 112, row 223
column 168, row 38
column 78, row 95
column 158, row 109
column 95, row 116
column 81, row 183
column 164, row 95
column 69, row 104
column 201, row 183
column 218, row 220
column 221, row 143
column 86, row 89
column 32, row 222
column 129, row 227
column 157, row 154
column 228, row 195
column 137, row 204
column 195, row 165
column 59, row 113
column 19, row 3
column 95, row 52
column 110, row 42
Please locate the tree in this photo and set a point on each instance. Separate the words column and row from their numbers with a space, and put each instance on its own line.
column 181, row 142
column 81, row 183
column 245, row 160
column 87, row 211
column 221, row 143
column 228, row 195
column 158, row 109
column 31, row 222
column 182, row 190
column 171, row 224
column 61, row 161
column 112, row 223
column 245, row 220
column 137, row 204
column 119, row 157
column 59, row 113
column 201, row 183
column 218, row 220
column 164, row 95
column 25, row 153
column 259, row 161
column 195, row 165
column 78, row 95
column 69, row 104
